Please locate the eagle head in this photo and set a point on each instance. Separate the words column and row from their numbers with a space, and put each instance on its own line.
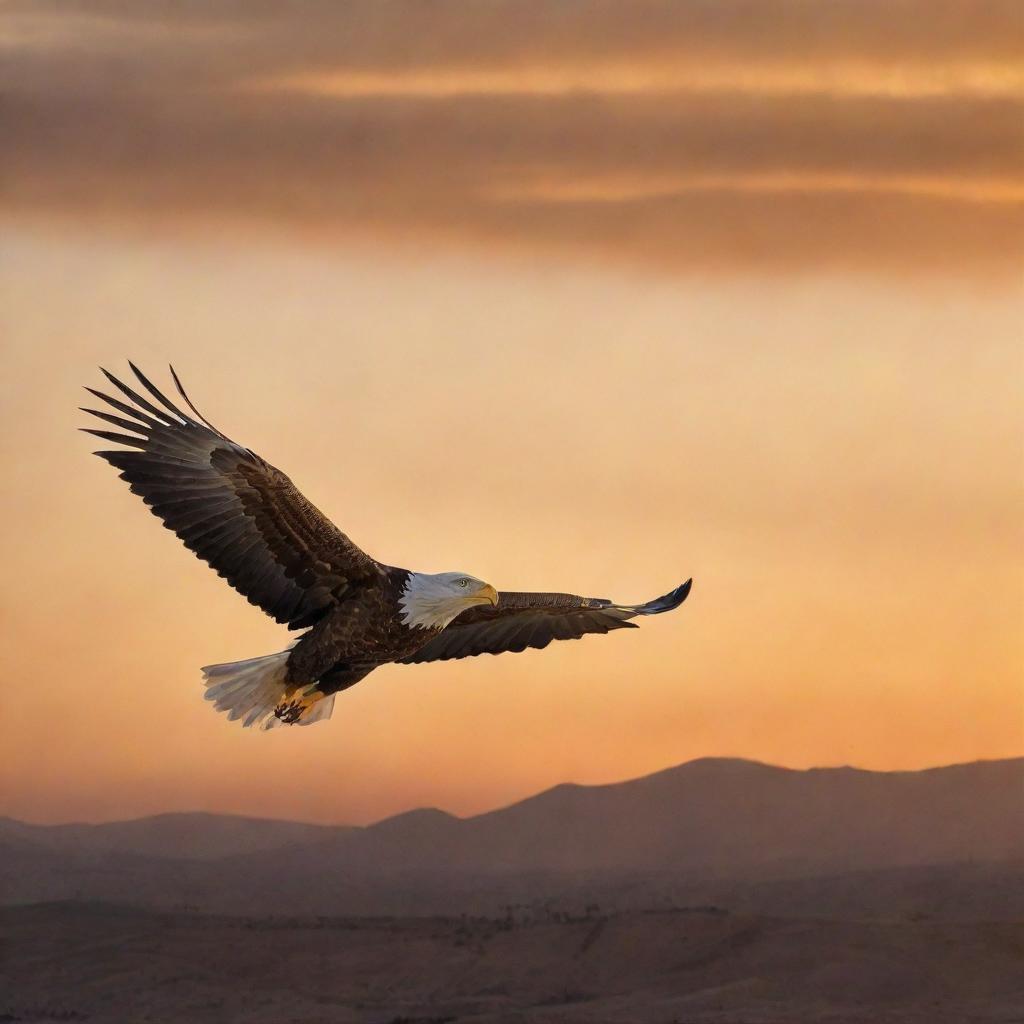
column 432, row 600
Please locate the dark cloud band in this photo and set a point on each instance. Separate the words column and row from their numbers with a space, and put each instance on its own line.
column 131, row 119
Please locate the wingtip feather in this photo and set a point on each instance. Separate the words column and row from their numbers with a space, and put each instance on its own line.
column 189, row 403
column 159, row 395
column 667, row 602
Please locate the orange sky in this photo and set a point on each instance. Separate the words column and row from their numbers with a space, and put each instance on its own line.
column 492, row 338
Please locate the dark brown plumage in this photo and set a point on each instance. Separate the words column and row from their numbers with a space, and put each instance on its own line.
column 519, row 621
column 250, row 523
column 234, row 510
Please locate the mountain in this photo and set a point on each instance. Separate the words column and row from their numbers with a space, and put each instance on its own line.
column 197, row 836
column 712, row 816
column 704, row 827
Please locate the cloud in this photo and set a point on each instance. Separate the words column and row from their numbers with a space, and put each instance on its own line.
column 747, row 135
column 658, row 76
column 394, row 34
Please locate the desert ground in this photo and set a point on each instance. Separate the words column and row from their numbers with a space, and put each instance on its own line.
column 109, row 965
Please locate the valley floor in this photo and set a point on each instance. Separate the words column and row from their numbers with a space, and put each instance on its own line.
column 117, row 965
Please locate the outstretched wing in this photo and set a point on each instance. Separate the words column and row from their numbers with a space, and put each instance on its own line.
column 235, row 511
column 519, row 621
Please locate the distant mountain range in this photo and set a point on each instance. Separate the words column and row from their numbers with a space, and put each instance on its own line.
column 190, row 836
column 712, row 822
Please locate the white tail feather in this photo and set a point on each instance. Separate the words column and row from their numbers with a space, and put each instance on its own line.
column 254, row 689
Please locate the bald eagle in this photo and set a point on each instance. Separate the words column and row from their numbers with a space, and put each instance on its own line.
column 250, row 523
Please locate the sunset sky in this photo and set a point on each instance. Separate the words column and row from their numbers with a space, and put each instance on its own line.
column 587, row 296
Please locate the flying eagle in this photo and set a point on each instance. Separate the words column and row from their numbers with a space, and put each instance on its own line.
column 250, row 523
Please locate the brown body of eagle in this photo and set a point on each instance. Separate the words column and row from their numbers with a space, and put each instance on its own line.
column 250, row 523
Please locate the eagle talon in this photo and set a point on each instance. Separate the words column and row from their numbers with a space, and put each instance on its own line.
column 289, row 712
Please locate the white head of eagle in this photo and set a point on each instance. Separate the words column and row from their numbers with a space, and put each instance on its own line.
column 432, row 600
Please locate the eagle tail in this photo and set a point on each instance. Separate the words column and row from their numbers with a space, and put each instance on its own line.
column 256, row 691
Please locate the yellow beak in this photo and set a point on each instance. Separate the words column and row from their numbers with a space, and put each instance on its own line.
column 487, row 594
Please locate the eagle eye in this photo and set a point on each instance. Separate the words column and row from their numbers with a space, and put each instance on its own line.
column 463, row 583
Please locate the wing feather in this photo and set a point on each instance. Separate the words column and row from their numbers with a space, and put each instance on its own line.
column 235, row 511
column 523, row 620
column 121, row 407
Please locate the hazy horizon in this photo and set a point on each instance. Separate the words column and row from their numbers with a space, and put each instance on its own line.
column 185, row 812
column 561, row 298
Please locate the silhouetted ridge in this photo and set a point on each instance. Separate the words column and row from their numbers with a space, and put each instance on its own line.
column 713, row 818
column 422, row 818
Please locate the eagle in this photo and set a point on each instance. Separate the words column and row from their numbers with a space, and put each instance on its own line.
column 253, row 526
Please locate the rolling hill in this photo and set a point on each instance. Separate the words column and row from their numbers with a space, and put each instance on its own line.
column 706, row 826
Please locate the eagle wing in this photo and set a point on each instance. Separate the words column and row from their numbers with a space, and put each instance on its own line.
column 234, row 510
column 519, row 621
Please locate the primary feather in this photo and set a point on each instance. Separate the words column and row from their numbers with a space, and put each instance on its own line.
column 233, row 509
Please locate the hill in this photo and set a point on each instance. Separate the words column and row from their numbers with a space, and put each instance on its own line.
column 698, row 828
